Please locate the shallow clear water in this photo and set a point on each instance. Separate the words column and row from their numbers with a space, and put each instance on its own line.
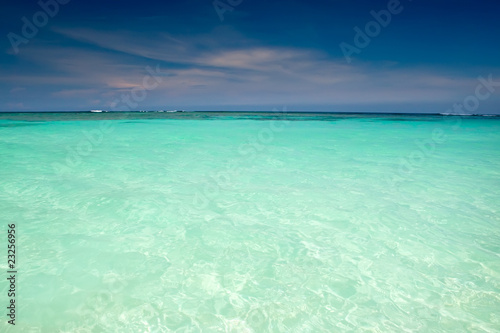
column 252, row 223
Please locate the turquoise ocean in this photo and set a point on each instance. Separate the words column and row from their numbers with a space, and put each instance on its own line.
column 251, row 222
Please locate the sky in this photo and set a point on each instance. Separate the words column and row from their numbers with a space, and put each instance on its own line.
column 232, row 55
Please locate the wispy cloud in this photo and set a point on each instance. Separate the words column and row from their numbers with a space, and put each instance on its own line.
column 17, row 89
column 246, row 73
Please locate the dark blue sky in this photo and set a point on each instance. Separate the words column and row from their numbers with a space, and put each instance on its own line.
column 263, row 55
